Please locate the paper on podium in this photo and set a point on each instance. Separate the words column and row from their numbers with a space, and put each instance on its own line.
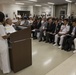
column 22, row 27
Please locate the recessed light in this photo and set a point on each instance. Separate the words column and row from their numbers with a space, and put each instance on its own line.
column 33, row 0
column 20, row 3
column 68, row 1
column 38, row 5
column 51, row 3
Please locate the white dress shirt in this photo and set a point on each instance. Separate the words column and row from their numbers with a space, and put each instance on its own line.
column 64, row 28
column 9, row 29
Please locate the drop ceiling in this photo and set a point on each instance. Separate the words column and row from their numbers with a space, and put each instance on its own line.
column 53, row 1
column 7, row 1
column 41, row 2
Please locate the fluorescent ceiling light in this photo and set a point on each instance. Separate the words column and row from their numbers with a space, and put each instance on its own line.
column 33, row 0
column 20, row 3
column 26, row 2
column 51, row 3
column 38, row 5
column 68, row 1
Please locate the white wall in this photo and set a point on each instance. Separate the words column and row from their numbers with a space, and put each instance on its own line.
column 44, row 9
column 37, row 10
column 1, row 7
column 47, row 10
column 9, row 9
column 59, row 8
column 69, row 8
column 73, row 8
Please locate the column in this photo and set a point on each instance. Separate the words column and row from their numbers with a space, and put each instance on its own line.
column 53, row 11
column 69, row 9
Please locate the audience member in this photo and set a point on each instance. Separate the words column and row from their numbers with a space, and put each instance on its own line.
column 63, row 31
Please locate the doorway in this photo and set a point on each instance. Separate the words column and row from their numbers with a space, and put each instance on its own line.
column 23, row 13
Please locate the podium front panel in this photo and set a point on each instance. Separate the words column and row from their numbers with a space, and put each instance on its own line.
column 21, row 55
column 21, row 50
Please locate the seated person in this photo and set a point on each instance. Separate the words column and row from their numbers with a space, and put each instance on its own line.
column 42, row 29
column 36, row 26
column 33, row 26
column 50, row 30
column 57, row 29
column 18, row 22
column 30, row 20
column 68, row 35
column 25, row 22
column 15, row 20
column 63, row 31
column 8, row 26
column 75, row 45
column 60, row 22
column 22, row 21
column 73, row 37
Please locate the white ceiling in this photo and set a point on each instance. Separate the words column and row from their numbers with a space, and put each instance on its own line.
column 54, row 1
column 42, row 2
column 7, row 1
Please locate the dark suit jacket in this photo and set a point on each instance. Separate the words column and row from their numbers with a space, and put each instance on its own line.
column 71, row 29
column 38, row 25
column 57, row 28
column 51, row 27
column 75, row 33
column 34, row 25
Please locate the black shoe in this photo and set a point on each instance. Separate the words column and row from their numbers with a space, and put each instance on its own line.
column 40, row 40
column 34, row 38
column 50, row 42
column 46, row 41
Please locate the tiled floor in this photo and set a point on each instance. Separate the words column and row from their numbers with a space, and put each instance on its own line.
column 68, row 67
column 46, row 57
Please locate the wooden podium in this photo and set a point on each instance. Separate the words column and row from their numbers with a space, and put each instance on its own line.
column 21, row 50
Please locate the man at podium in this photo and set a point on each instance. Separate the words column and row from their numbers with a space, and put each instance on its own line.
column 9, row 27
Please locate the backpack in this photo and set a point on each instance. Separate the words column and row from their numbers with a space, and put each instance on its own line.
column 65, row 45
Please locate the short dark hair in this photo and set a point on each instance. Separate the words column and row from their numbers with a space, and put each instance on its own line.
column 66, row 20
column 2, row 16
column 53, row 19
column 57, row 19
column 74, row 20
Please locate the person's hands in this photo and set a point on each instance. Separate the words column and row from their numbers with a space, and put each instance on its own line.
column 8, row 34
column 50, row 33
column 54, row 33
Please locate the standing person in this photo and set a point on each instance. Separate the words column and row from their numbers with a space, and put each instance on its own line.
column 4, row 54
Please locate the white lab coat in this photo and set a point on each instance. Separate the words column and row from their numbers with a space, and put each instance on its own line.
column 4, row 54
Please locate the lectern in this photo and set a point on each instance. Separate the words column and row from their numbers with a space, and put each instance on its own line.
column 20, row 50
